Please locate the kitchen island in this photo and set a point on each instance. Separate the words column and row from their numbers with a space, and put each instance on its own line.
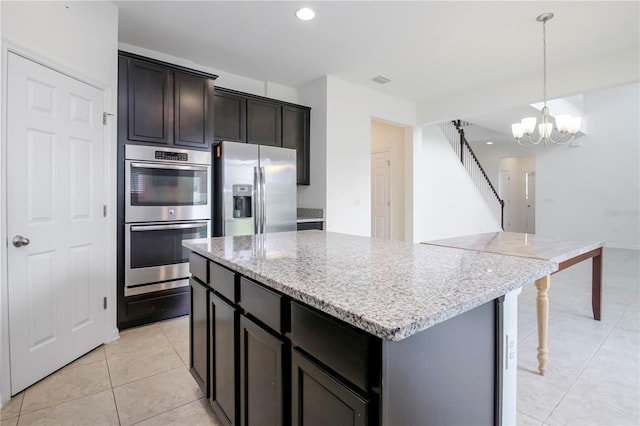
column 324, row 328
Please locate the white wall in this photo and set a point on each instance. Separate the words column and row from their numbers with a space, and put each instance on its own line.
column 350, row 109
column 80, row 38
column 447, row 202
column 592, row 191
column 389, row 138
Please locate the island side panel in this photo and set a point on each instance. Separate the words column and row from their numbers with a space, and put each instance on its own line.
column 445, row 375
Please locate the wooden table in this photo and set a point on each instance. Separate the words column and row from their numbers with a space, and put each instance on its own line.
column 565, row 252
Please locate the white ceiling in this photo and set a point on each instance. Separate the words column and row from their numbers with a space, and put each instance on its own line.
column 426, row 48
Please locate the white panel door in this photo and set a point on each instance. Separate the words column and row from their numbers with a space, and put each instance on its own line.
column 380, row 195
column 55, row 194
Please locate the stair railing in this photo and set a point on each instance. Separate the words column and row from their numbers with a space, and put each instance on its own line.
column 454, row 133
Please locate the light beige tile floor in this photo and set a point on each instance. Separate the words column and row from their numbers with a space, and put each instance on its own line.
column 593, row 376
column 141, row 378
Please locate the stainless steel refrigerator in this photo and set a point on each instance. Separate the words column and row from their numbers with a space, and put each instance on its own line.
column 255, row 189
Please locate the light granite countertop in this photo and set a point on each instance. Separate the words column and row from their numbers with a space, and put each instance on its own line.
column 556, row 249
column 306, row 215
column 389, row 289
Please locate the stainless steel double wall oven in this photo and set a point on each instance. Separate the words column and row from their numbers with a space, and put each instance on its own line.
column 167, row 200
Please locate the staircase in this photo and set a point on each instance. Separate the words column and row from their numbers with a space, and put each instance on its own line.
column 454, row 133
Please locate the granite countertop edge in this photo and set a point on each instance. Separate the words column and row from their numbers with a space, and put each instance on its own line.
column 402, row 328
column 309, row 219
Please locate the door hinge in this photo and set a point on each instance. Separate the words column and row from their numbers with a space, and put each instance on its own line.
column 104, row 303
column 105, row 115
column 388, row 162
column 104, row 210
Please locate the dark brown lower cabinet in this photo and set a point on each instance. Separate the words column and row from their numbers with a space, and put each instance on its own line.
column 318, row 398
column 261, row 378
column 224, row 366
column 198, row 336
column 303, row 226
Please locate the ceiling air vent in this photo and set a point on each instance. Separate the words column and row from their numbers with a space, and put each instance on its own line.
column 381, row 80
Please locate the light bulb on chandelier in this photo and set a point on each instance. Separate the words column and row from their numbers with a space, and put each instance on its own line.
column 566, row 125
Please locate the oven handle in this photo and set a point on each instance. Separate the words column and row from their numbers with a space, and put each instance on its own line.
column 136, row 228
column 169, row 166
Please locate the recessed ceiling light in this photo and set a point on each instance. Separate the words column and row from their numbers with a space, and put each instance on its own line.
column 489, row 143
column 305, row 14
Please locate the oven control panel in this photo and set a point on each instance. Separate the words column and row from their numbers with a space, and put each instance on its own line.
column 151, row 153
column 172, row 156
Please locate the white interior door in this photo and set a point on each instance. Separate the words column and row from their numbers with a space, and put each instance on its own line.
column 55, row 196
column 504, row 189
column 530, row 202
column 381, row 195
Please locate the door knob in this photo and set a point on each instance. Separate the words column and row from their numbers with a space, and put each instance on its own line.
column 19, row 241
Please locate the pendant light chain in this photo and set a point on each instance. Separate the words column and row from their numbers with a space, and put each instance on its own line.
column 544, row 61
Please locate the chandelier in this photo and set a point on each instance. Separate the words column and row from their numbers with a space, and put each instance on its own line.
column 565, row 127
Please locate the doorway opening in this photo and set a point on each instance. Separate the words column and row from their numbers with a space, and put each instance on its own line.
column 517, row 188
column 388, row 181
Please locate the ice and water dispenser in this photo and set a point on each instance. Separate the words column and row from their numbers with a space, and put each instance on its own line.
column 242, row 200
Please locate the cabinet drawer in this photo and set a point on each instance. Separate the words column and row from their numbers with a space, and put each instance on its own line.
column 158, row 308
column 261, row 303
column 347, row 351
column 198, row 267
column 223, row 281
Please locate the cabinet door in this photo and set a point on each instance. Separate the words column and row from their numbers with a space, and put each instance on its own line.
column 264, row 123
column 199, row 334
column 261, row 391
column 318, row 399
column 224, row 365
column 295, row 135
column 193, row 97
column 150, row 103
column 230, row 115
column 303, row 226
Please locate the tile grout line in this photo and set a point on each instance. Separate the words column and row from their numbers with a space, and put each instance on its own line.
column 113, row 394
column 165, row 412
column 21, row 404
column 171, row 342
column 588, row 362
column 153, row 375
column 64, row 401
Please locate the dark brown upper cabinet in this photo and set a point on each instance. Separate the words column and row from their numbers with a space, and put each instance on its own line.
column 230, row 117
column 193, row 103
column 295, row 135
column 264, row 122
column 150, row 102
column 164, row 104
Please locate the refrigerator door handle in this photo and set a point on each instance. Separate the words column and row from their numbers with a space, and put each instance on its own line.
column 256, row 200
column 263, row 201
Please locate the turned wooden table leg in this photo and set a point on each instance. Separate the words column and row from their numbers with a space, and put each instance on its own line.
column 542, row 306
